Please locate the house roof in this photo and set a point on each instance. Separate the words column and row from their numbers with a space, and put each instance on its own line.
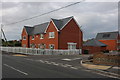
column 60, row 23
column 40, row 28
column 94, row 42
column 37, row 29
column 107, row 35
column 29, row 30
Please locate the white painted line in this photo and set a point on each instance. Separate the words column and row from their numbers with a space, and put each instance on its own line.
column 109, row 73
column 52, row 62
column 78, row 67
column 15, row 69
column 76, row 58
column 106, row 75
column 66, row 59
column 42, row 61
column 73, row 67
column 55, row 64
column 46, row 61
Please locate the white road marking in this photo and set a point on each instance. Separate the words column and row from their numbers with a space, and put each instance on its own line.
column 55, row 64
column 66, row 59
column 73, row 67
column 110, row 73
column 42, row 61
column 106, row 75
column 15, row 69
column 52, row 62
column 76, row 58
column 46, row 61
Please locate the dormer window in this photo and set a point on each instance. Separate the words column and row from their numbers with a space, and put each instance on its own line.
column 41, row 36
column 51, row 35
column 33, row 37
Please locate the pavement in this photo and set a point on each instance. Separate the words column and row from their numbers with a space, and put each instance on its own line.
column 108, row 70
column 48, row 66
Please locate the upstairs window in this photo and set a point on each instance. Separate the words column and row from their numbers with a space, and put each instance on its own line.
column 41, row 36
column 51, row 35
column 33, row 37
column 106, row 35
column 24, row 37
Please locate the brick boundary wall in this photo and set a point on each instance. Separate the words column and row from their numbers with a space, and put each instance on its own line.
column 106, row 59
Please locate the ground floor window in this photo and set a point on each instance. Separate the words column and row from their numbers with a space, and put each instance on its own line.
column 42, row 46
column 72, row 45
column 32, row 46
column 51, row 46
column 119, row 47
column 24, row 45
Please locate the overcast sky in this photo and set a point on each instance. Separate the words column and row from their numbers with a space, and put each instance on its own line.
column 94, row 17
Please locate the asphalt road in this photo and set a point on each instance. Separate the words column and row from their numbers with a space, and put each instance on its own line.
column 44, row 67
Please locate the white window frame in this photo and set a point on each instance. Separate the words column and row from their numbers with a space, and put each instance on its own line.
column 50, row 46
column 39, row 45
column 41, row 36
column 32, row 45
column 51, row 34
column 33, row 38
column 24, row 37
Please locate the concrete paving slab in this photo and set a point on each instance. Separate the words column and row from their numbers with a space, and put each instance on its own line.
column 92, row 66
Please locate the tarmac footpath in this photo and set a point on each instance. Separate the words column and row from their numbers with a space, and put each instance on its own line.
column 110, row 71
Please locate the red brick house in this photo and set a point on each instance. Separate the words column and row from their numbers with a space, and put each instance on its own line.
column 111, row 39
column 55, row 34
column 93, row 46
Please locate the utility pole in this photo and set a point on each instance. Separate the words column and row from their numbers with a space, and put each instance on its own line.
column 1, row 36
column 2, row 32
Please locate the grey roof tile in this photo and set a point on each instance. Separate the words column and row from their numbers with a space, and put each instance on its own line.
column 29, row 30
column 61, row 22
column 94, row 42
column 111, row 35
column 40, row 28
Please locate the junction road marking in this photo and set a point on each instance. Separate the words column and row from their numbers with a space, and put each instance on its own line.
column 15, row 69
column 73, row 67
column 66, row 59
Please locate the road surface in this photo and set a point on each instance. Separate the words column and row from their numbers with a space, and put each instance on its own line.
column 16, row 66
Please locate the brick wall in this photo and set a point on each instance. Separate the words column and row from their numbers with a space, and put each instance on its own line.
column 106, row 59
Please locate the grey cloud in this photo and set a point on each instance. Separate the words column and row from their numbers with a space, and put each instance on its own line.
column 93, row 16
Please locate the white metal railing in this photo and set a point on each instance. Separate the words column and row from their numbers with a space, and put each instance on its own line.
column 35, row 51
